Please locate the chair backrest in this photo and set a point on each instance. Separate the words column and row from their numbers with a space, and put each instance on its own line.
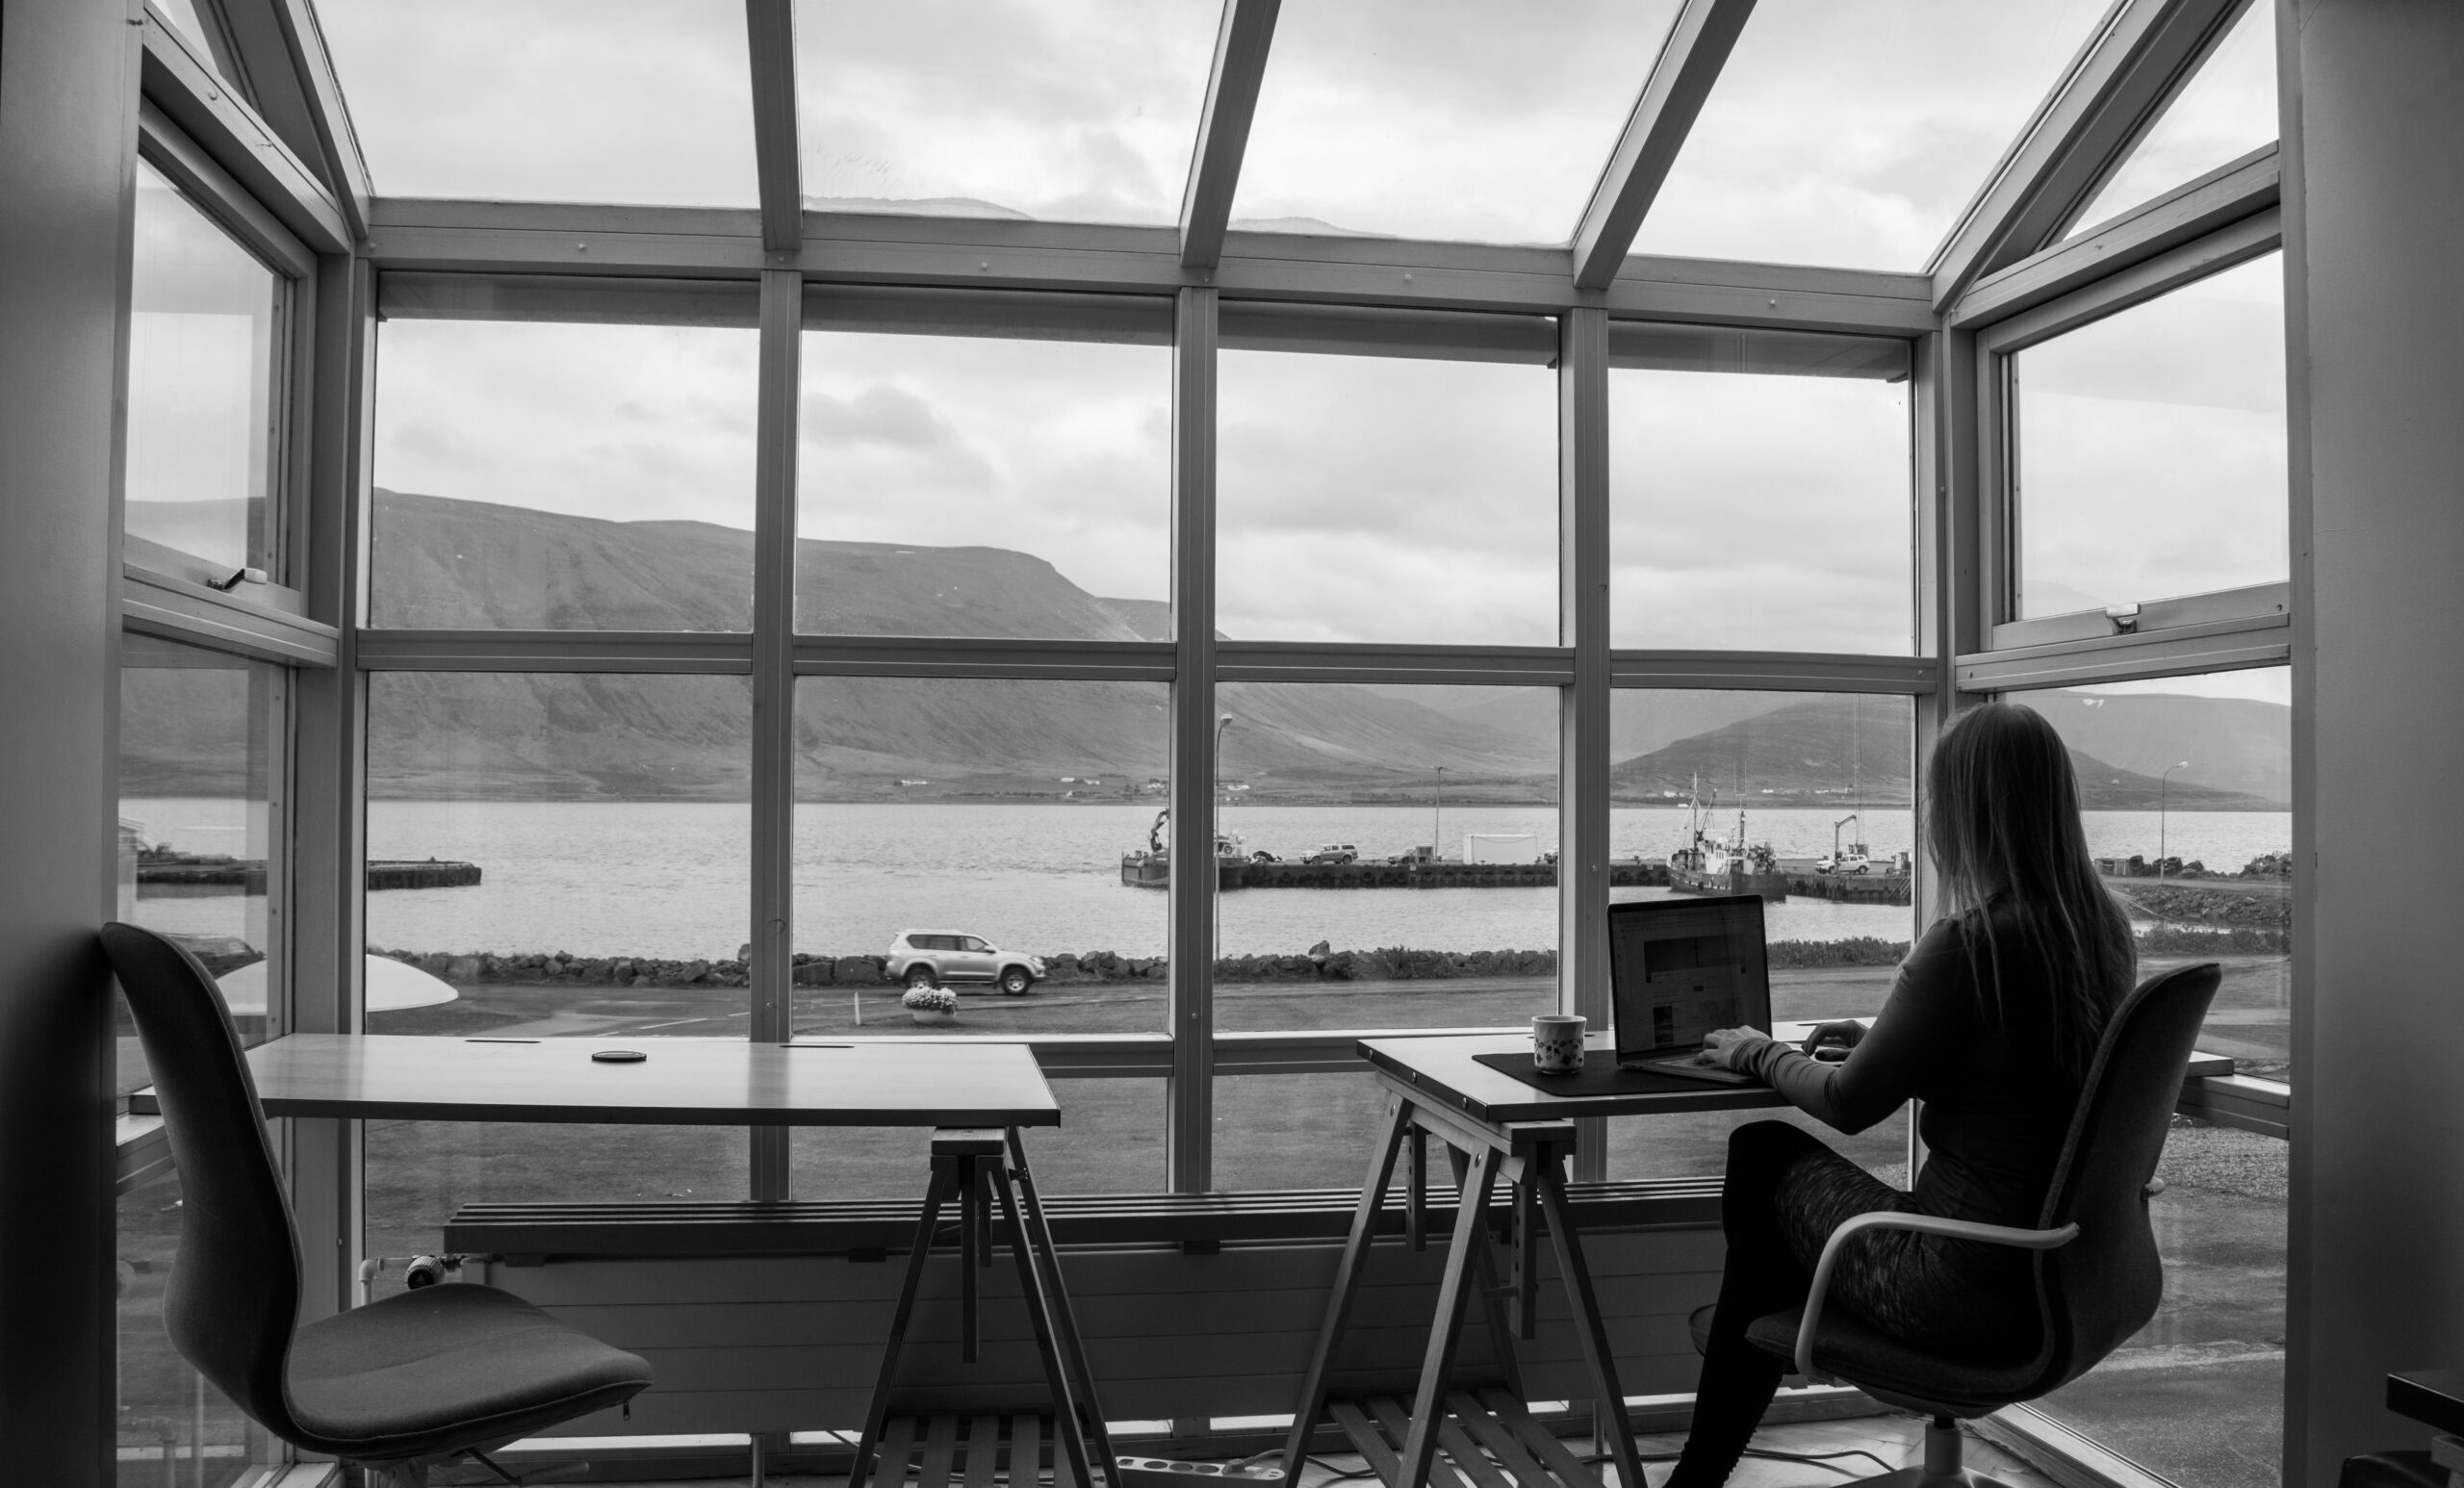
column 233, row 1298
column 2104, row 1286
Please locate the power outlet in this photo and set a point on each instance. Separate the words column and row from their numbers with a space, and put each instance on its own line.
column 1163, row 1473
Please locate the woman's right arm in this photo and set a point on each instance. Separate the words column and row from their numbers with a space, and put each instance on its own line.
column 1927, row 1021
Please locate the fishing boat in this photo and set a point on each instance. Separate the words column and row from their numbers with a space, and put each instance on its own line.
column 1709, row 864
column 1153, row 867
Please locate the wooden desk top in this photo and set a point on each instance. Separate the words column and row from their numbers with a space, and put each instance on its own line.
column 684, row 1082
column 1444, row 1067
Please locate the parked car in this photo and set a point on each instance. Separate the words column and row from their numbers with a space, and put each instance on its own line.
column 932, row 958
column 1334, row 851
column 1845, row 863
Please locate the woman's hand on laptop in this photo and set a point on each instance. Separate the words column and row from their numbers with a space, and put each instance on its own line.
column 1728, row 1047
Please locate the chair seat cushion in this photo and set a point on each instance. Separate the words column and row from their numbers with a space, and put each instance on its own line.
column 2411, row 1469
column 1887, row 1369
column 447, row 1367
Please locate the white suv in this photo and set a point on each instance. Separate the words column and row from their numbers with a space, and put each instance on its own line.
column 930, row 957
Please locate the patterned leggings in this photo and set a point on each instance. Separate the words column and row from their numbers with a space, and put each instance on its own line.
column 1785, row 1193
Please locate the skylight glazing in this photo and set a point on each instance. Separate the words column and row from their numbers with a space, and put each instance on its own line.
column 2225, row 110
column 1455, row 120
column 633, row 101
column 1076, row 110
column 1853, row 133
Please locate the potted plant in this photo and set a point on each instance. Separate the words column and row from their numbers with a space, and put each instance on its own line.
column 931, row 1005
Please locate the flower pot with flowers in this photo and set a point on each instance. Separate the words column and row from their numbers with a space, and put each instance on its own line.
column 931, row 1005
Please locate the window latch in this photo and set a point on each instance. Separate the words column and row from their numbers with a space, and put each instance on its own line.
column 245, row 576
column 2125, row 618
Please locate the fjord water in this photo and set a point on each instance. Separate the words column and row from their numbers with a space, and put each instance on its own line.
column 669, row 879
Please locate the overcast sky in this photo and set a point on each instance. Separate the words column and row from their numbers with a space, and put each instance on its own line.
column 1755, row 512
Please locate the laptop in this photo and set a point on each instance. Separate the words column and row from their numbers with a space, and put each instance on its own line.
column 1679, row 968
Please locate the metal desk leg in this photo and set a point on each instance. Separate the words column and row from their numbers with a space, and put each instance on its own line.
column 970, row 1200
column 1428, row 1410
column 1608, row 1410
column 944, row 1179
column 1068, row 1426
column 1364, row 1223
column 1073, row 1344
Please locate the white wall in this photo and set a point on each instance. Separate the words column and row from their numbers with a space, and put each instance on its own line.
column 2374, row 202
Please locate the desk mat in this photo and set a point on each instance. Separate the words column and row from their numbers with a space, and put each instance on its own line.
column 1598, row 1076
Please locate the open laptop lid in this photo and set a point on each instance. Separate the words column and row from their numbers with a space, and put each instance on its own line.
column 1679, row 968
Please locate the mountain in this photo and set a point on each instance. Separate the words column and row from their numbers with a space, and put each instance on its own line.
column 441, row 563
column 1825, row 751
column 2241, row 746
column 1837, row 750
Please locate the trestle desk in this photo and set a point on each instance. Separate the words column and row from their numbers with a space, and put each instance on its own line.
column 1492, row 1127
column 976, row 1096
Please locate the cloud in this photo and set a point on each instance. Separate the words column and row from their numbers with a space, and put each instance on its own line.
column 1853, row 132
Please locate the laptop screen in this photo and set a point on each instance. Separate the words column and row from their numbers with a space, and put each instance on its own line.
column 1679, row 968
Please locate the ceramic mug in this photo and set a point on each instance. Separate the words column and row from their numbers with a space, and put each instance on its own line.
column 1556, row 1042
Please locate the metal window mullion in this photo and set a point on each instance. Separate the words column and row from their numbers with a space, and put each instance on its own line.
column 1582, row 727
column 770, row 980
column 1190, row 1095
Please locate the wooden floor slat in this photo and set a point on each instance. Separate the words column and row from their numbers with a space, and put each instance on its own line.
column 1468, row 1459
column 940, row 1450
column 1398, row 1422
column 1544, row 1444
column 1366, row 1440
column 1492, row 1433
column 1026, row 1449
column 890, row 1462
column 982, row 1450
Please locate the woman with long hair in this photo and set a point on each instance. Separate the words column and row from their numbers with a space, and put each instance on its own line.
column 1993, row 1022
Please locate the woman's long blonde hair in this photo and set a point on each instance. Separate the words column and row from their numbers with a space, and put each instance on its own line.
column 2002, row 819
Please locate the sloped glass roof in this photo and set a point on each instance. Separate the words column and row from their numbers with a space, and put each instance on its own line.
column 647, row 101
column 1072, row 110
column 2226, row 109
column 1853, row 133
column 1443, row 119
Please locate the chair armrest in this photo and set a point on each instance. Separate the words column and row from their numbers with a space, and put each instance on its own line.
column 1926, row 1224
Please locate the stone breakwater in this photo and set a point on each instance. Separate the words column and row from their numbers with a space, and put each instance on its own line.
column 1320, row 963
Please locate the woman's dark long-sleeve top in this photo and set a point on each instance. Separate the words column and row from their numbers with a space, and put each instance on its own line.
column 1997, row 1105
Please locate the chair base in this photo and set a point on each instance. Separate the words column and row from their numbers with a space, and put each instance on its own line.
column 1942, row 1467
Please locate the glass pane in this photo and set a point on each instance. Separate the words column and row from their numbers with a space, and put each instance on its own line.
column 1110, row 1141
column 200, row 737
column 1302, row 1132
column 550, row 100
column 982, row 487
column 2197, row 1394
column 1084, row 111
column 2186, row 784
column 1458, row 120
column 591, row 834
column 203, row 344
column 420, row 1172
column 1761, row 510
column 2224, row 111
column 1853, row 133
column 535, row 475
column 173, row 1426
column 964, row 833
column 1394, row 853
column 1385, row 499
column 2151, row 456
column 189, row 18
column 1695, row 1143
column 1804, row 798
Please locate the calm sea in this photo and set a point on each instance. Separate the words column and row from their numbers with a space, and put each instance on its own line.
column 669, row 880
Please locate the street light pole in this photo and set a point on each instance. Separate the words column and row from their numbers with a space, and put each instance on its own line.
column 2162, row 782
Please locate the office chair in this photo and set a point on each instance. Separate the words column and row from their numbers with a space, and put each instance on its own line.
column 394, row 1387
column 2099, row 1275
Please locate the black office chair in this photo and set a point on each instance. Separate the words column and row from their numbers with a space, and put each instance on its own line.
column 418, row 1379
column 2098, row 1276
